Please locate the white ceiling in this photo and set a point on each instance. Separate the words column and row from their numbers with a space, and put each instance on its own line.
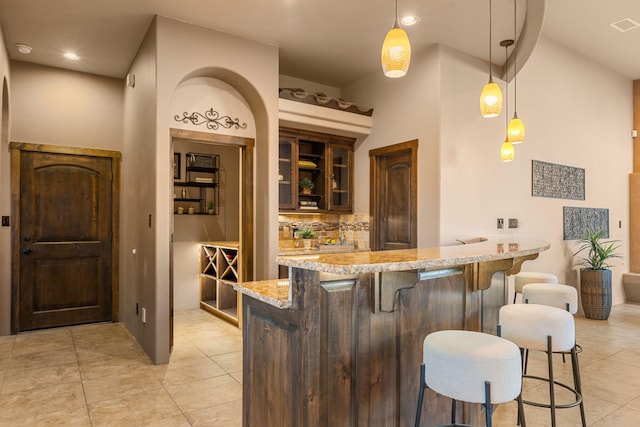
column 334, row 42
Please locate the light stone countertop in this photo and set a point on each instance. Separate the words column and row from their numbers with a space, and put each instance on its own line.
column 315, row 251
column 412, row 259
column 277, row 292
column 273, row 292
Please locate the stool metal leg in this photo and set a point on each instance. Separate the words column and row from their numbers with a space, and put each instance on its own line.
column 521, row 420
column 577, row 383
column 487, row 402
column 420, row 394
column 552, row 396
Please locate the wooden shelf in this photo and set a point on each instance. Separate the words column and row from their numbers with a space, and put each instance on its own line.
column 219, row 272
column 206, row 191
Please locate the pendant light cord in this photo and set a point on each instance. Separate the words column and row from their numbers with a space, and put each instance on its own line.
column 490, row 61
column 506, row 64
column 395, row 22
column 515, row 61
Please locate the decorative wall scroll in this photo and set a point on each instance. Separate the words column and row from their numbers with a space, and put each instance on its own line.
column 211, row 118
column 577, row 220
column 557, row 181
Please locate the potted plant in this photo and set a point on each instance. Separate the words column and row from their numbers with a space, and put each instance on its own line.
column 595, row 276
column 307, row 185
column 306, row 234
column 211, row 209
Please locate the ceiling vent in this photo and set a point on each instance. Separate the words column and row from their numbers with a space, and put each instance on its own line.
column 625, row 25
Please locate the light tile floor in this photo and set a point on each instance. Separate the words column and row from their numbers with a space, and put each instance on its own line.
column 97, row 375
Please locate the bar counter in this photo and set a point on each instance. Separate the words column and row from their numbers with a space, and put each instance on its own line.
column 340, row 344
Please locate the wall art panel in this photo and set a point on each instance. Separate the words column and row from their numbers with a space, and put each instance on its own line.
column 557, row 181
column 578, row 220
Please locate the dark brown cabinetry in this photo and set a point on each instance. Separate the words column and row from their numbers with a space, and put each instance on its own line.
column 323, row 160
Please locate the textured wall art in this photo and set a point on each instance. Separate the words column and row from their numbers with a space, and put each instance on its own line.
column 577, row 220
column 556, row 181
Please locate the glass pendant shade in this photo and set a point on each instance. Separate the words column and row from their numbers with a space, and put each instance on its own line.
column 491, row 100
column 507, row 152
column 396, row 53
column 515, row 130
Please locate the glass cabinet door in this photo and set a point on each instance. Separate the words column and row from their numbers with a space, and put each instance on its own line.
column 287, row 180
column 341, row 177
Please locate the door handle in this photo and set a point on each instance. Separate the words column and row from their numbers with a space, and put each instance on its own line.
column 26, row 251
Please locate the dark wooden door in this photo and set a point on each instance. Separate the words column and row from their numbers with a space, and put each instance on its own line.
column 394, row 196
column 65, row 240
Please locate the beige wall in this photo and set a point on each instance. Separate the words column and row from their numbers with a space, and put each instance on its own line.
column 62, row 107
column 139, row 170
column 5, row 192
column 577, row 113
column 175, row 52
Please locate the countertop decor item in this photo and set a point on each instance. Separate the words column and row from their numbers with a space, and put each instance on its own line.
column 595, row 276
column 306, row 234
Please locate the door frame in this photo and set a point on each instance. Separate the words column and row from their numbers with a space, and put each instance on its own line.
column 374, row 162
column 16, row 149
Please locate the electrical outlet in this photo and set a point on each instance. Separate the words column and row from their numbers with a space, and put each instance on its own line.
column 5, row 221
column 500, row 222
column 513, row 222
column 137, row 309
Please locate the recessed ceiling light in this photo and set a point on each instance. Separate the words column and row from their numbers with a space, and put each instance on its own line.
column 24, row 48
column 409, row 20
column 72, row 56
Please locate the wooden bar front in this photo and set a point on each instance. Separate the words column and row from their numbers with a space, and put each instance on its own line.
column 347, row 351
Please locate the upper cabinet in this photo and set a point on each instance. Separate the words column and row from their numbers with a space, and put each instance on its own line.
column 315, row 171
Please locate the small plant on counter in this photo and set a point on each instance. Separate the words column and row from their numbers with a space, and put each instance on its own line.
column 211, row 208
column 306, row 233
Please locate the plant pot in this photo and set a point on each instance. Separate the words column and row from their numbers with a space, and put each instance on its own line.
column 595, row 293
column 211, row 211
column 306, row 243
column 306, row 190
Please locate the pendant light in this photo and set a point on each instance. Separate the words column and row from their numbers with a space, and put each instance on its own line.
column 515, row 131
column 396, row 51
column 507, row 151
column 491, row 95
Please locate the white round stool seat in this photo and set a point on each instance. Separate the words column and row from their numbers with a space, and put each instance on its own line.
column 528, row 326
column 457, row 364
column 554, row 295
column 526, row 277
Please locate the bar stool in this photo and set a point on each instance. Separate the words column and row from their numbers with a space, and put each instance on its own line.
column 549, row 329
column 560, row 296
column 471, row 367
column 526, row 277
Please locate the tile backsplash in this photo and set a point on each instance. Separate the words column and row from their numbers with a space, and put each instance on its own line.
column 354, row 228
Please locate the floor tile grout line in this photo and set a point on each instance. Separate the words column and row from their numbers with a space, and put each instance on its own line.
column 84, row 393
